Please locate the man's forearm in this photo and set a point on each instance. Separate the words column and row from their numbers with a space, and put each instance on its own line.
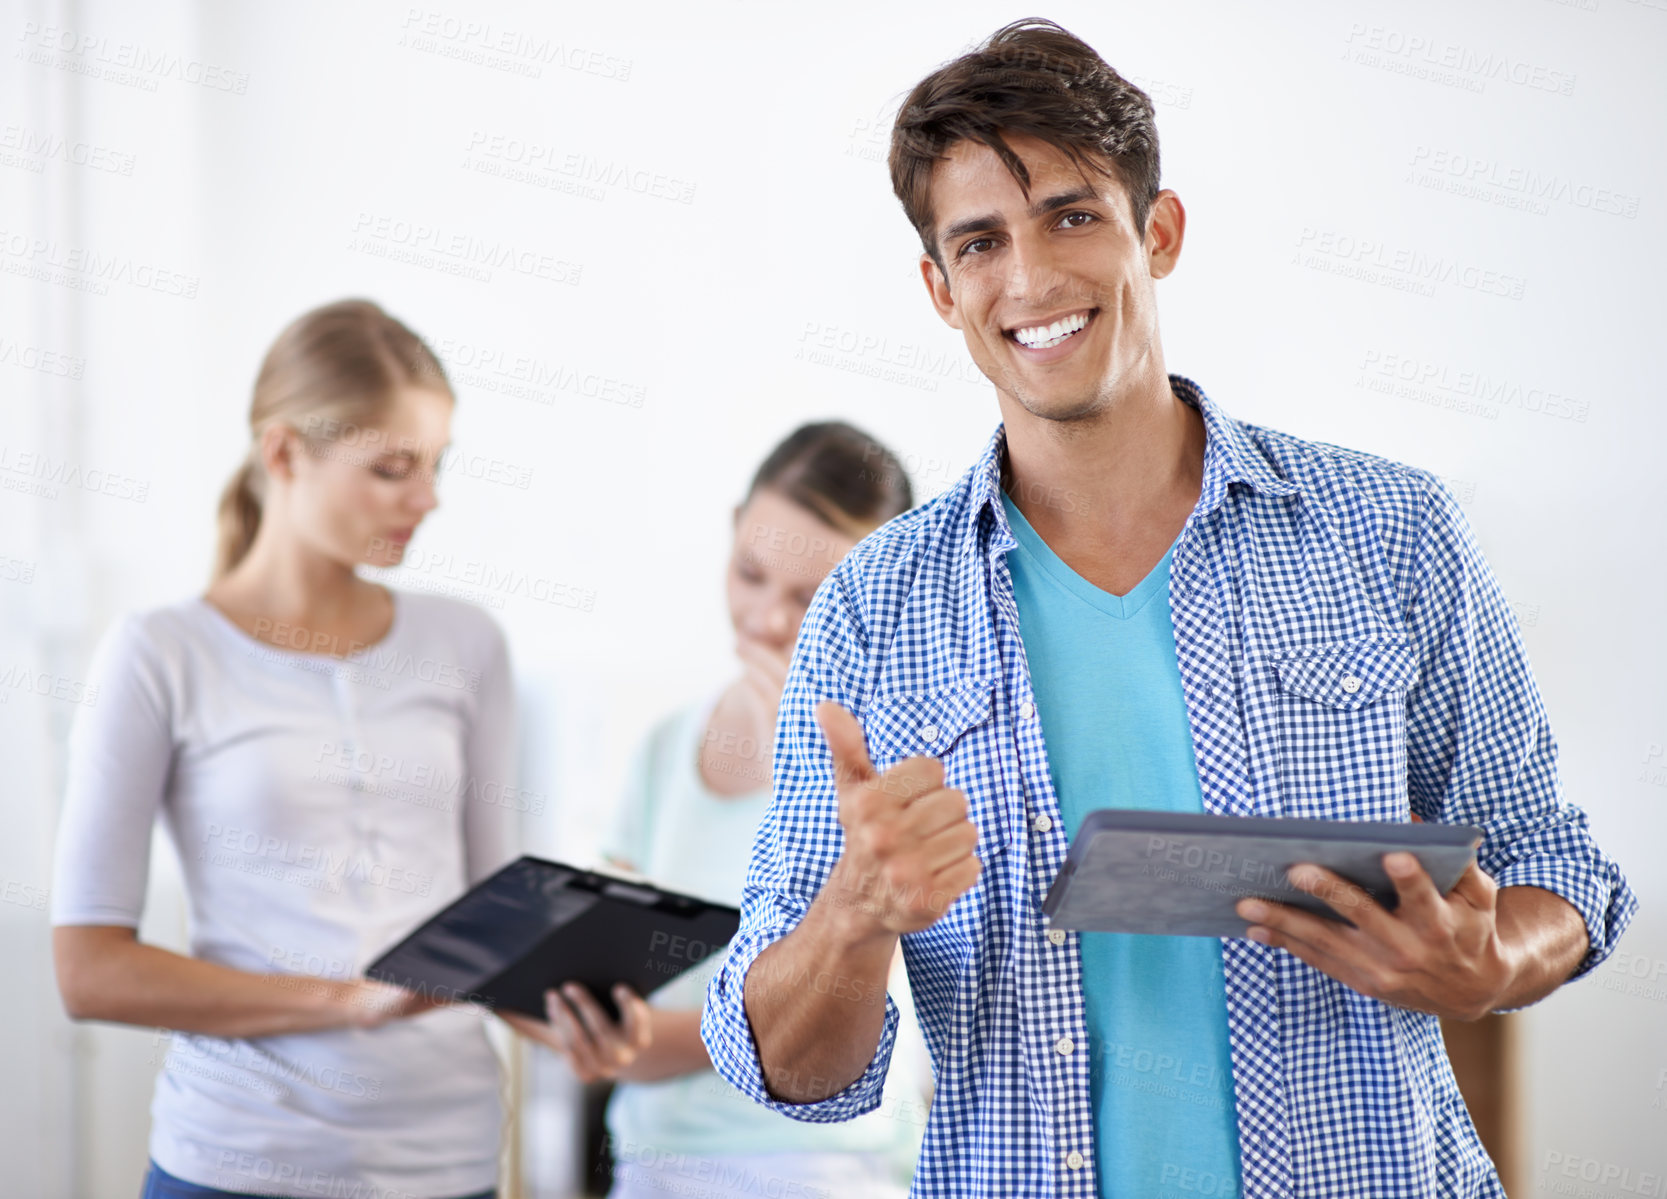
column 1547, row 937
column 816, row 1002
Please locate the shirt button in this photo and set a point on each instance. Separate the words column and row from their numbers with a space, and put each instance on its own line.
column 1042, row 824
column 1056, row 935
column 930, row 732
column 1074, row 1160
column 1027, row 710
column 1351, row 684
column 1064, row 1046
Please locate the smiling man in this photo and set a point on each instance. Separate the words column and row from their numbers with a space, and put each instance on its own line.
column 1133, row 600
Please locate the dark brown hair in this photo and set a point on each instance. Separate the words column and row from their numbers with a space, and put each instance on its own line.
column 337, row 365
column 1032, row 77
column 844, row 476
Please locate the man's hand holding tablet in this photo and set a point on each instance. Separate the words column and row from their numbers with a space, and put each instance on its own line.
column 1434, row 953
column 1397, row 910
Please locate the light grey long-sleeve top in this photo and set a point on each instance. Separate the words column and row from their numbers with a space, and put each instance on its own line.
column 321, row 809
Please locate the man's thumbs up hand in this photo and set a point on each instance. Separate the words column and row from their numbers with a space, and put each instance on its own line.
column 908, row 843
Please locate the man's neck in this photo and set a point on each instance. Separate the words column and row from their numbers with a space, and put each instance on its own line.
column 1110, row 493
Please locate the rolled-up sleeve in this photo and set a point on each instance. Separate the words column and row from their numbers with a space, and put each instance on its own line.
column 1479, row 744
column 795, row 848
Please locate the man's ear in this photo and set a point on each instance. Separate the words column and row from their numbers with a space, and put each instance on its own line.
column 1166, row 226
column 937, row 286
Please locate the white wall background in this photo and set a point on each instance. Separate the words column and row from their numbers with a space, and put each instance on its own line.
column 265, row 158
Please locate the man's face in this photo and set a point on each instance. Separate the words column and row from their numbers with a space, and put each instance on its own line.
column 1055, row 294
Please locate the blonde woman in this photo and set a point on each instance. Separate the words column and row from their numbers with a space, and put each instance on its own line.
column 321, row 751
column 698, row 787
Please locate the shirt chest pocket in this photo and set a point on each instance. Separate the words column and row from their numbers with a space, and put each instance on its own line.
column 956, row 725
column 1342, row 731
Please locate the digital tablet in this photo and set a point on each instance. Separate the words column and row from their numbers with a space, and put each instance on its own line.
column 1181, row 873
column 536, row 924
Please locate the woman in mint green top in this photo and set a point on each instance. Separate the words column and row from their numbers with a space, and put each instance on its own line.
column 698, row 786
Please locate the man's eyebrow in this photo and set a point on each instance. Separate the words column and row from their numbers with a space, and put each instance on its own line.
column 992, row 220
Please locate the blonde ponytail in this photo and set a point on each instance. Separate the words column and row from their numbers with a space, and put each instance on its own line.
column 239, row 518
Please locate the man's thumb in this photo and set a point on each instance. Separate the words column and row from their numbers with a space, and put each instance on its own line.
column 845, row 739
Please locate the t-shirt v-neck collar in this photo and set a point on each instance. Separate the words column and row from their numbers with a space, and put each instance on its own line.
column 1120, row 606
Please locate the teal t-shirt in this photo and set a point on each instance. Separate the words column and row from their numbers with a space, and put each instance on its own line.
column 1114, row 719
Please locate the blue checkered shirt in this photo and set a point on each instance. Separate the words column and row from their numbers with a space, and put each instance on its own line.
column 1345, row 653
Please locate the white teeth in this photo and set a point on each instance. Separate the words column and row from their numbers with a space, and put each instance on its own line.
column 1042, row 337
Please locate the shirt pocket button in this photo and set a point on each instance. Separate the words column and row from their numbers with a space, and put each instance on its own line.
column 1342, row 730
column 946, row 724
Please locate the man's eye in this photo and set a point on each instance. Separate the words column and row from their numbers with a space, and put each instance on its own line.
column 389, row 472
column 1069, row 215
column 977, row 241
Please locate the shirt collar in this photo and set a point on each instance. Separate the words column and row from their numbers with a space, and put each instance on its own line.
column 1229, row 457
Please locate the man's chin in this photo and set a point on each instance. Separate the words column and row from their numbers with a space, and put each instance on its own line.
column 1057, row 404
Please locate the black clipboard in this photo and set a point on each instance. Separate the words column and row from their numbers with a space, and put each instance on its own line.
column 1181, row 873
column 536, row 924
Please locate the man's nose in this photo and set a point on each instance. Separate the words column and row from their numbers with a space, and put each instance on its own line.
column 1033, row 269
